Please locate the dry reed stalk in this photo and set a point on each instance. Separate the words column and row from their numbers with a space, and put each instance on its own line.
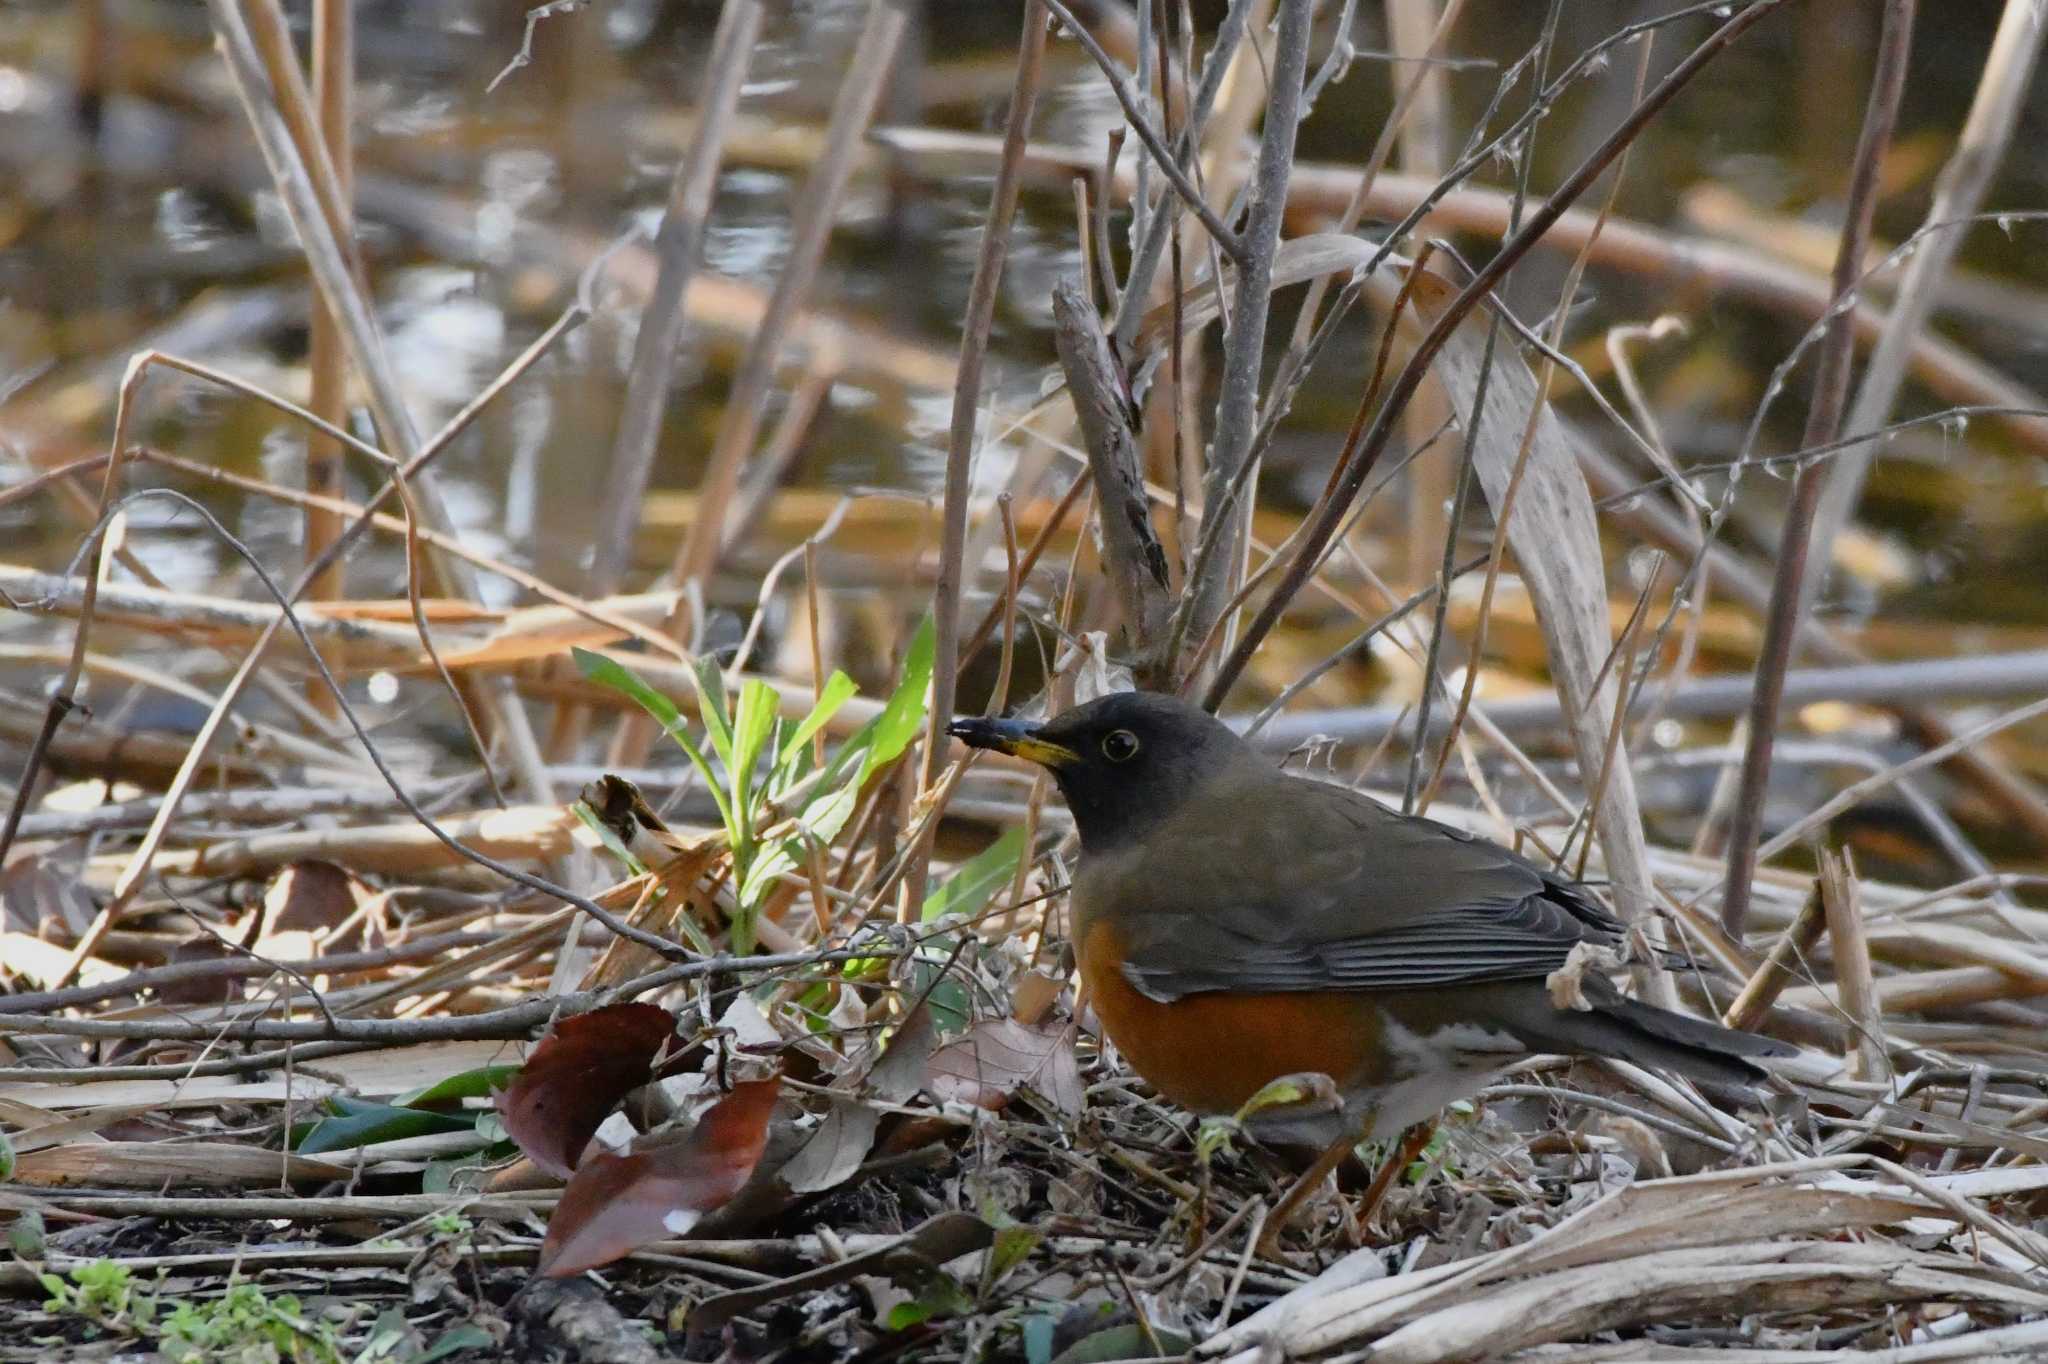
column 678, row 244
column 1958, row 194
column 255, row 41
column 327, row 359
column 1854, row 986
column 677, row 247
column 1686, row 266
column 1348, row 480
column 817, row 204
column 974, row 335
column 1823, row 424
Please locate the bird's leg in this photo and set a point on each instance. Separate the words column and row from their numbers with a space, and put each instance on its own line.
column 1311, row 1179
column 1290, row 1202
column 1413, row 1142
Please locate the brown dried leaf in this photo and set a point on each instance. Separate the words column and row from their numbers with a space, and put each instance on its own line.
column 575, row 1078
column 42, row 899
column 616, row 1204
column 1034, row 995
column 206, row 989
column 900, row 1071
column 162, row 1164
column 309, row 896
column 835, row 1150
column 999, row 1056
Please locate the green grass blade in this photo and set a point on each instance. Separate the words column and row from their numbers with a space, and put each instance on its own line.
column 608, row 672
column 903, row 716
column 839, row 689
column 968, row 890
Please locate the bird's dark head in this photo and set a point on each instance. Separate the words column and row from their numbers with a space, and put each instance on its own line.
column 1123, row 761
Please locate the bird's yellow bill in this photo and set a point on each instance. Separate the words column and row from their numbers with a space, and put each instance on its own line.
column 1016, row 737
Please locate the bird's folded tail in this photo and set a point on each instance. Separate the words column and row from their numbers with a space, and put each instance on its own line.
column 1665, row 1040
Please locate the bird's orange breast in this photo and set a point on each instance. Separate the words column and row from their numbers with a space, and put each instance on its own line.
column 1211, row 1052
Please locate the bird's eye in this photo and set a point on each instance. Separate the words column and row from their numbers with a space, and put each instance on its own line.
column 1119, row 745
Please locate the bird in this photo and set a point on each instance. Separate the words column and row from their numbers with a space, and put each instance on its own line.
column 1236, row 924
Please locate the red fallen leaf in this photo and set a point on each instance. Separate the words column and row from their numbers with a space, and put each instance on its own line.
column 575, row 1078
column 616, row 1204
column 999, row 1056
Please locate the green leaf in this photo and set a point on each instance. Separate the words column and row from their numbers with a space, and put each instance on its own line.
column 903, row 715
column 469, row 1084
column 768, row 863
column 1013, row 1244
column 608, row 672
column 6, row 1158
column 712, row 707
column 827, row 814
column 941, row 990
column 608, row 836
column 752, row 727
column 463, row 1336
column 1128, row 1341
column 839, row 689
column 358, row 1123
column 968, row 890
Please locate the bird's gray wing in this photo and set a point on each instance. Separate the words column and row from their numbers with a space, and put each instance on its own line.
column 1304, row 887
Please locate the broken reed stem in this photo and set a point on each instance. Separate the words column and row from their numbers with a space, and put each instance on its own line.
column 1350, row 477
column 1132, row 558
column 1793, row 947
column 327, row 360
column 981, row 311
column 1854, row 985
column 1823, row 424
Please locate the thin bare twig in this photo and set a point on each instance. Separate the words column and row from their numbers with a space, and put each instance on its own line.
column 1350, row 477
column 1244, row 348
column 1154, row 143
column 1823, row 423
column 981, row 310
column 676, row 247
column 1994, row 115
